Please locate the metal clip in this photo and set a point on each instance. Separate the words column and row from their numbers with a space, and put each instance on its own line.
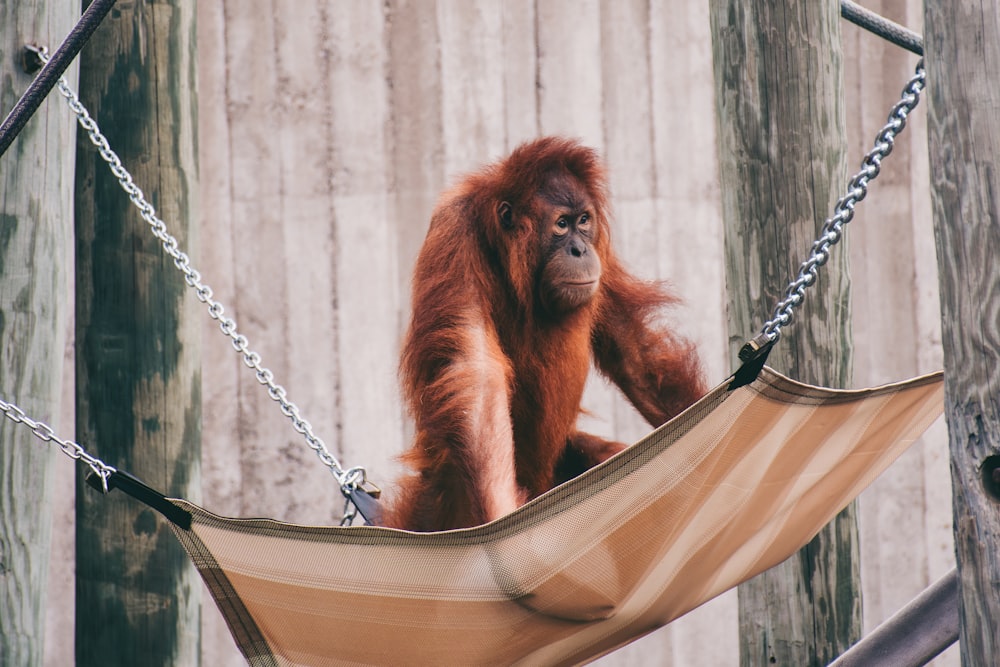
column 371, row 489
column 92, row 481
column 753, row 347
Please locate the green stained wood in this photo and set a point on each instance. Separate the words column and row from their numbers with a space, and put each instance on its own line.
column 963, row 61
column 782, row 156
column 137, row 337
column 36, row 210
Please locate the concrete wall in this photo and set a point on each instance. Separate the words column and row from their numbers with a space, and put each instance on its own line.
column 327, row 130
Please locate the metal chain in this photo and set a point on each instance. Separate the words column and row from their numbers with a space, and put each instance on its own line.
column 347, row 479
column 45, row 433
column 833, row 228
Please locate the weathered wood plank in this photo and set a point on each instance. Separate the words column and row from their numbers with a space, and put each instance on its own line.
column 222, row 488
column 963, row 63
column 782, row 161
column 893, row 265
column 689, row 217
column 365, row 265
column 275, row 115
column 221, row 369
column 417, row 159
column 247, row 245
column 306, row 110
column 36, row 211
column 472, row 84
column 569, row 70
column 520, row 58
column 690, row 251
column 138, row 343
column 628, row 151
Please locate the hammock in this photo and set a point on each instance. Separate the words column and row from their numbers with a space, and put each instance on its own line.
column 732, row 486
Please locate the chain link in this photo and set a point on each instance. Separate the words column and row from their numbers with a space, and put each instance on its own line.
column 45, row 433
column 349, row 479
column 843, row 212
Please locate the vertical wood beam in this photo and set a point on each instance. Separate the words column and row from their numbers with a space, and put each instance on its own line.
column 782, row 148
column 138, row 347
column 36, row 209
column 962, row 41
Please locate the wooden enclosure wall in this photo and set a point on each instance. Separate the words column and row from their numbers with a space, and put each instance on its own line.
column 327, row 130
column 905, row 522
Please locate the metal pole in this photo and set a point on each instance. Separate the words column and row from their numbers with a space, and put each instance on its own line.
column 913, row 635
column 47, row 78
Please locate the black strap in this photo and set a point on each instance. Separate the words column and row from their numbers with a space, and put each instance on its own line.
column 49, row 76
column 368, row 506
column 752, row 365
column 136, row 488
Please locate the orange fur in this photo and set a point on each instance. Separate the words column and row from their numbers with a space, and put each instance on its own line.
column 491, row 376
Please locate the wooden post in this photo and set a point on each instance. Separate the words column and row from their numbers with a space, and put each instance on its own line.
column 138, row 378
column 36, row 209
column 782, row 147
column 962, row 41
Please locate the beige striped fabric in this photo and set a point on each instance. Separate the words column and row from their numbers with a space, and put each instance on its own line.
column 731, row 487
